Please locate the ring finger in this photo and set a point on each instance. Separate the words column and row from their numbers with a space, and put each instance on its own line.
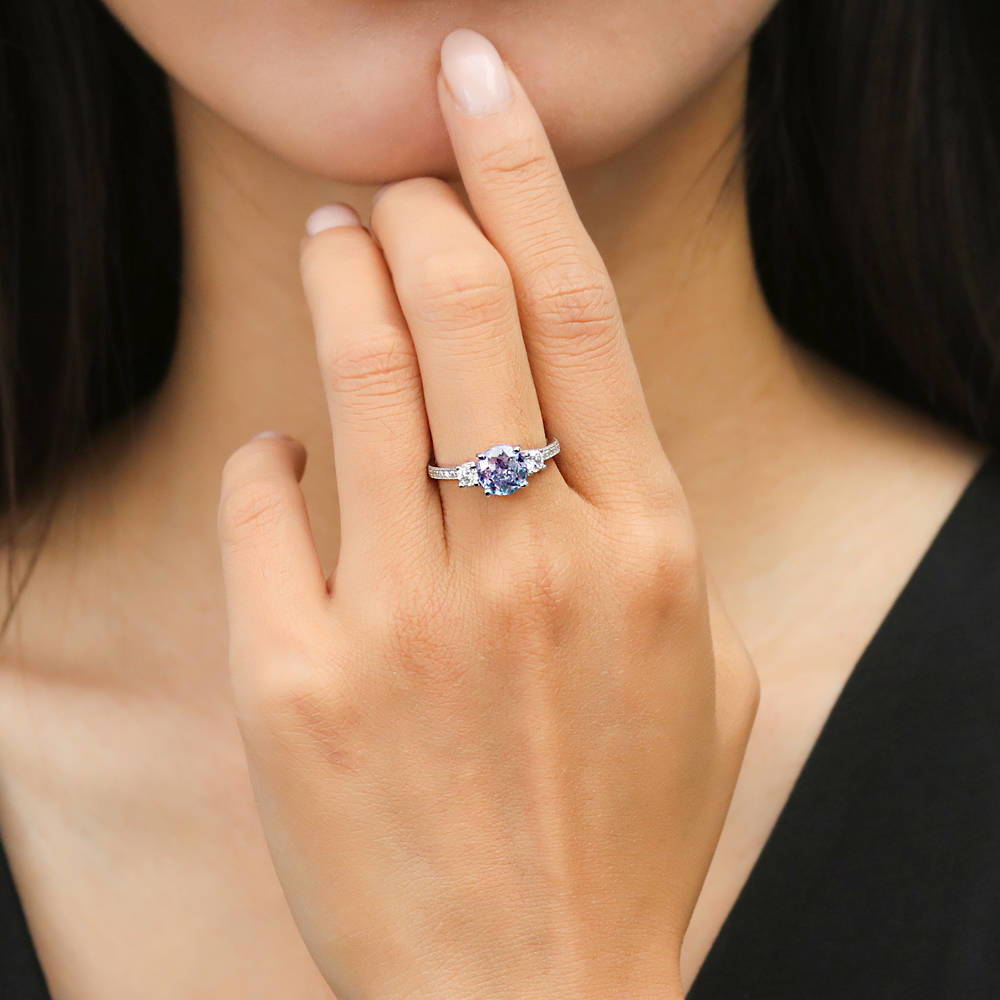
column 456, row 292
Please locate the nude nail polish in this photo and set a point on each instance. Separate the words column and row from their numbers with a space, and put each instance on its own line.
column 474, row 72
column 330, row 216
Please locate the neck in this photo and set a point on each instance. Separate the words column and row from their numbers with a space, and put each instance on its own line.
column 745, row 417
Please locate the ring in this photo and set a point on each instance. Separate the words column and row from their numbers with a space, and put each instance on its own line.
column 501, row 469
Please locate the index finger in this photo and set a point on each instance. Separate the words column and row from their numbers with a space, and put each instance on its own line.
column 582, row 365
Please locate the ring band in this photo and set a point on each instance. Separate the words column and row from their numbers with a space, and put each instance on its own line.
column 500, row 470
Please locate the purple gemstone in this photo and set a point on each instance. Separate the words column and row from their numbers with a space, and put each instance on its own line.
column 502, row 470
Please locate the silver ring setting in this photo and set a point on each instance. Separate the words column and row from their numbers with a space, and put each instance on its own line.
column 500, row 470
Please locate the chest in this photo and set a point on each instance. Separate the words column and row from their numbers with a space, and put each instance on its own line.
column 140, row 864
column 793, row 708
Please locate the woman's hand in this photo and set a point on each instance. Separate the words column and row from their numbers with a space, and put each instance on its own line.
column 493, row 755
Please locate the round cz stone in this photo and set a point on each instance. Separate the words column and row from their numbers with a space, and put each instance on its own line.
column 502, row 470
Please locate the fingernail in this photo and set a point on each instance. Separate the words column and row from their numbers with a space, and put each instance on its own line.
column 474, row 72
column 272, row 434
column 330, row 216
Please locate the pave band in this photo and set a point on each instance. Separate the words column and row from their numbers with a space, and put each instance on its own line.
column 500, row 470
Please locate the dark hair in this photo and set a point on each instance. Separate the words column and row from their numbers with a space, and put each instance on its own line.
column 89, row 246
column 872, row 153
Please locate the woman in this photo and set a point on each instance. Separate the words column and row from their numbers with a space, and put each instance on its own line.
column 499, row 745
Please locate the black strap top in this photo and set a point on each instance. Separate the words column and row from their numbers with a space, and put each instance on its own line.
column 881, row 878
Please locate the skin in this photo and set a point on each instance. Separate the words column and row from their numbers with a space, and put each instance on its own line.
column 118, row 737
column 566, row 726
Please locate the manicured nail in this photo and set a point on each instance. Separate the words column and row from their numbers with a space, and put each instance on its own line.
column 330, row 216
column 474, row 72
column 272, row 434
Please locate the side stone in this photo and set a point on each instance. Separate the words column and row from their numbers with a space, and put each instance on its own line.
column 468, row 474
column 533, row 460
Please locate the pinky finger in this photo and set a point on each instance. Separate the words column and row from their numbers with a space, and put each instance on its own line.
column 271, row 569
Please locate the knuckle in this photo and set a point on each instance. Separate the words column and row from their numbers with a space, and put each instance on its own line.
column 380, row 365
column 662, row 564
column 425, row 647
column 415, row 626
column 576, row 298
column 251, row 508
column 416, row 605
column 659, row 494
column 292, row 704
column 451, row 287
column 519, row 163
column 266, row 681
column 524, row 578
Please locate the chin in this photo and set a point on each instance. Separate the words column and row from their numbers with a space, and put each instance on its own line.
column 407, row 138
column 346, row 89
column 364, row 128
